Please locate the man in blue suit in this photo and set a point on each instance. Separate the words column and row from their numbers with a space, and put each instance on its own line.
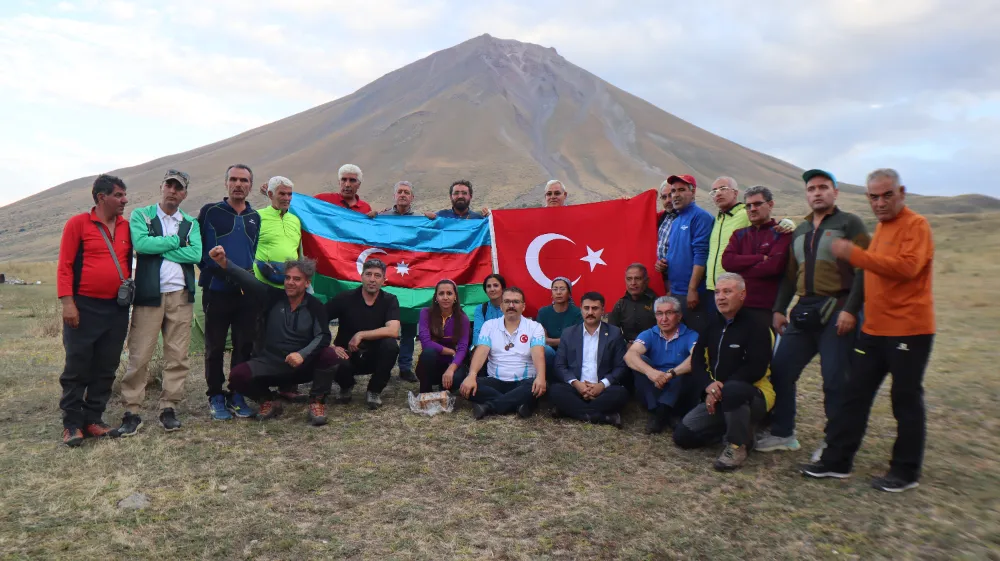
column 589, row 365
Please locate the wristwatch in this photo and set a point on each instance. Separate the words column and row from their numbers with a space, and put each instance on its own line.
column 672, row 372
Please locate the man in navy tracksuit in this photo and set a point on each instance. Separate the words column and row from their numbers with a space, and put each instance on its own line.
column 687, row 253
column 234, row 225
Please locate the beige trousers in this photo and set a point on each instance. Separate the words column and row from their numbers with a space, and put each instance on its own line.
column 173, row 318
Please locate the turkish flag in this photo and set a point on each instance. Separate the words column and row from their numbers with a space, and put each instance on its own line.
column 590, row 244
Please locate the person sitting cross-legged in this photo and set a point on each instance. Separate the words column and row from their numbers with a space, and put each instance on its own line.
column 516, row 370
column 735, row 350
column 589, row 364
column 660, row 359
column 443, row 331
column 294, row 342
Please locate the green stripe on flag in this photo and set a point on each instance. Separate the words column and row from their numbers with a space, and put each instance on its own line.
column 411, row 300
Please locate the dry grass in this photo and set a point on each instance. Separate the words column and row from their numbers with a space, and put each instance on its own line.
column 390, row 484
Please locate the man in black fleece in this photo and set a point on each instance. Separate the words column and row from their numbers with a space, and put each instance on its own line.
column 735, row 351
column 295, row 342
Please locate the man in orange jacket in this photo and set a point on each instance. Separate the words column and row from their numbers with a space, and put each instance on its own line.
column 896, row 337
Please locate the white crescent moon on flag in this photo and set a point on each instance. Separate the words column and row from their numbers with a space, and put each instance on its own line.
column 531, row 258
column 364, row 256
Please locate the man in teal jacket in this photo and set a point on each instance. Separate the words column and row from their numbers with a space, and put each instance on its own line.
column 167, row 244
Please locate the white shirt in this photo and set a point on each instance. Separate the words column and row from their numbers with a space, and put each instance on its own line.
column 588, row 371
column 171, row 274
column 510, row 353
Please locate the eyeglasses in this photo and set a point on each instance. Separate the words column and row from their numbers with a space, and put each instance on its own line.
column 756, row 204
column 512, row 302
column 718, row 190
column 348, row 179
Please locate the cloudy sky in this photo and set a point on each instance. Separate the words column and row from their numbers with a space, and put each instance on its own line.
column 94, row 85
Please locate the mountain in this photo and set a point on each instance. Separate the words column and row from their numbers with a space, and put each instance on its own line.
column 507, row 115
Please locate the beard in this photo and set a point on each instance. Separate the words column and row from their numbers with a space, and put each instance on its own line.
column 460, row 204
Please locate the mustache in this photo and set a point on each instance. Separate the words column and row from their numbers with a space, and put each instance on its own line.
column 512, row 309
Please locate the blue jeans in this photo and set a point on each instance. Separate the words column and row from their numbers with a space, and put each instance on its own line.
column 407, row 333
column 797, row 349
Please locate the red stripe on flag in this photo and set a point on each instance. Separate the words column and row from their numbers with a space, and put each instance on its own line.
column 407, row 269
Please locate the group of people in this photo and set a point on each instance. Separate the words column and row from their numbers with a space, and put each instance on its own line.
column 701, row 359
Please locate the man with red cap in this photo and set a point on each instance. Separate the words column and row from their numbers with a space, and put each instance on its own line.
column 687, row 252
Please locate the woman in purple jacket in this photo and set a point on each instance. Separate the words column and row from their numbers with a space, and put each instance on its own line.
column 443, row 331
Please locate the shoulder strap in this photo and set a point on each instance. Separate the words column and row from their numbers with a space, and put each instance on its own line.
column 485, row 305
column 111, row 249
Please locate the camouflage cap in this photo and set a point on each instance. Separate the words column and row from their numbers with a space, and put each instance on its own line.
column 178, row 176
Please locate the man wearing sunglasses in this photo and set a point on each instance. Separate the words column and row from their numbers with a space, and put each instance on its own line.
column 350, row 181
column 759, row 253
column 167, row 243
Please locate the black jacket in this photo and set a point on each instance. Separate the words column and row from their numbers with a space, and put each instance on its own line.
column 633, row 316
column 737, row 350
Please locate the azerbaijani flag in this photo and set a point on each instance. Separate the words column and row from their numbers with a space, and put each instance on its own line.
column 417, row 252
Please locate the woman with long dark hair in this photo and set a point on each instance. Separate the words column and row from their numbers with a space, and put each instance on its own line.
column 443, row 330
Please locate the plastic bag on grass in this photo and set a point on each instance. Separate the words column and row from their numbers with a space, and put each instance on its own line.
column 431, row 403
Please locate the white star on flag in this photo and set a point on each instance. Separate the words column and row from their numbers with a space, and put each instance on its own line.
column 402, row 268
column 594, row 258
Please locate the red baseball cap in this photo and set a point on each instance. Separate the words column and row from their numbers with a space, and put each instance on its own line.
column 685, row 178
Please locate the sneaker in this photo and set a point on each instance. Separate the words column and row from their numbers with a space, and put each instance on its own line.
column 72, row 437
column 819, row 470
column 131, row 423
column 217, row 407
column 893, row 484
column 373, row 400
column 732, row 458
column 344, row 395
column 817, row 454
column 659, row 418
column 292, row 396
column 168, row 420
column 239, row 407
column 407, row 376
column 526, row 410
column 99, row 430
column 269, row 410
column 481, row 410
column 317, row 413
column 770, row 443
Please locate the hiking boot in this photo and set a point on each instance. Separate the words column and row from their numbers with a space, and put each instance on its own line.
column 99, row 430
column 731, row 458
column 819, row 470
column 168, row 420
column 217, row 407
column 292, row 396
column 269, row 410
column 817, row 454
column 344, row 395
column 770, row 443
column 72, row 437
column 659, row 419
column 317, row 413
column 239, row 406
column 526, row 410
column 373, row 400
column 481, row 410
column 407, row 376
column 131, row 423
column 891, row 483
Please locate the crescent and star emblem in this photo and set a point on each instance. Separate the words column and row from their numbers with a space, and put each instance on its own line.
column 593, row 258
column 402, row 267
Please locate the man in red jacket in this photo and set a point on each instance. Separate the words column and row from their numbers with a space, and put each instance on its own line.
column 759, row 253
column 89, row 274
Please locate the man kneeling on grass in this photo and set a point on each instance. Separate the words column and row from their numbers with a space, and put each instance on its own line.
column 515, row 346
column 295, row 345
column 735, row 350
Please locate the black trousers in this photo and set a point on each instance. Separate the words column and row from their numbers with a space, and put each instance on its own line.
column 258, row 387
column 735, row 417
column 503, row 397
column 569, row 402
column 376, row 359
column 874, row 357
column 431, row 367
column 225, row 310
column 93, row 351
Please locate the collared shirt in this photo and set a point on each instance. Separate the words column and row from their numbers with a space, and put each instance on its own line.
column 393, row 211
column 591, row 343
column 726, row 222
column 510, row 353
column 663, row 234
column 338, row 199
column 449, row 213
column 171, row 274
column 664, row 353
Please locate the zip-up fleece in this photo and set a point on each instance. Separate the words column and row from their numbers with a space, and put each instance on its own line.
column 726, row 222
column 236, row 233
column 689, row 243
column 152, row 247
column 280, row 236
column 739, row 349
column 760, row 256
column 813, row 270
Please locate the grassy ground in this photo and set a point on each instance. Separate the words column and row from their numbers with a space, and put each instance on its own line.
column 392, row 484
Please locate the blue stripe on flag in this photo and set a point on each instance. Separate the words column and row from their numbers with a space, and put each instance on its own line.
column 408, row 233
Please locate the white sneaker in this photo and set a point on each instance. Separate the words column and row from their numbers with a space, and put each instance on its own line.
column 818, row 453
column 770, row 443
column 373, row 400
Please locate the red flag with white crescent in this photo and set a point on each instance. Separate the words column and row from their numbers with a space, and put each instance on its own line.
column 590, row 244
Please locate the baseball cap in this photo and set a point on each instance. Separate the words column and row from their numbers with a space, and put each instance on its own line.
column 685, row 178
column 818, row 173
column 179, row 176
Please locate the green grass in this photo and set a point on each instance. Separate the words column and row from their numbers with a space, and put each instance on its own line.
column 390, row 484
